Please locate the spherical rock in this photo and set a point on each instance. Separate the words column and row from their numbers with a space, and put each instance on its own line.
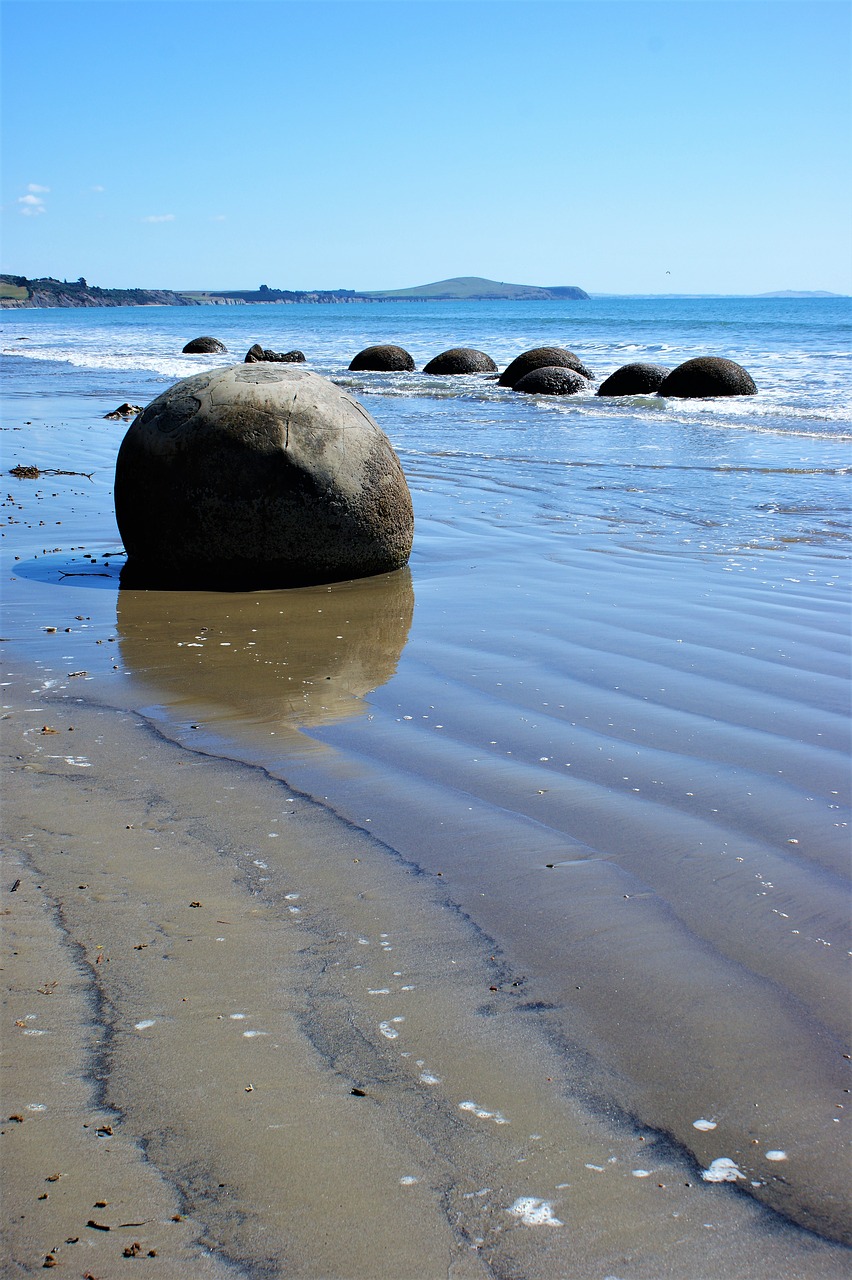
column 540, row 358
column 262, row 355
column 385, row 359
column 461, row 360
column 204, row 347
column 259, row 476
column 551, row 380
column 708, row 376
column 633, row 380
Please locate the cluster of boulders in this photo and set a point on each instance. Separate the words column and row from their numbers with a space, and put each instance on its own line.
column 263, row 474
column 555, row 371
column 543, row 371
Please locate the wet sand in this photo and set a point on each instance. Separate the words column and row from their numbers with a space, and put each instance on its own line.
column 233, row 1008
column 545, row 876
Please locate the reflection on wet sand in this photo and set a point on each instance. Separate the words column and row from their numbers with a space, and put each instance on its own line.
column 283, row 659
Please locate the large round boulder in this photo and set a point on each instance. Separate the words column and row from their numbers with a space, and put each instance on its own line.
column 204, row 347
column 259, row 475
column 708, row 376
column 540, row 358
column 383, row 359
column 551, row 380
column 461, row 360
column 634, row 380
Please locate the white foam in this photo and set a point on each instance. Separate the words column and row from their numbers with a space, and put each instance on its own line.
column 641, row 1173
column 389, row 1032
column 482, row 1113
column 534, row 1212
column 722, row 1170
column 776, row 1155
column 408, row 1180
column 704, row 1125
column 146, row 1022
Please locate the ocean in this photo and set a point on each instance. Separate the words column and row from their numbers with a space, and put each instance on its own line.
column 602, row 720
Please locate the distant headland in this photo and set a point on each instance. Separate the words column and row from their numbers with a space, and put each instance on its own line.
column 19, row 291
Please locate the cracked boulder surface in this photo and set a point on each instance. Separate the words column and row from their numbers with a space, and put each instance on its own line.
column 259, row 476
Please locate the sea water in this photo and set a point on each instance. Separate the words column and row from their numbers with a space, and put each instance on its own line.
column 607, row 705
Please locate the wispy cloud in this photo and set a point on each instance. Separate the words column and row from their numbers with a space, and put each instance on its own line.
column 159, row 217
column 219, row 217
column 98, row 187
column 34, row 186
column 31, row 204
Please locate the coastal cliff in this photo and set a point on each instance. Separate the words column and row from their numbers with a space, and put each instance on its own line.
column 19, row 291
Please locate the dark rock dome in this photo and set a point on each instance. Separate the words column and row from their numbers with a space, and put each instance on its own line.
column 259, row 475
column 461, row 360
column 708, row 376
column 633, row 380
column 204, row 347
column 551, row 380
column 539, row 358
column 383, row 359
column 262, row 355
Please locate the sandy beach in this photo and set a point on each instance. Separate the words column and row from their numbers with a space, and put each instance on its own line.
column 448, row 923
column 218, row 1058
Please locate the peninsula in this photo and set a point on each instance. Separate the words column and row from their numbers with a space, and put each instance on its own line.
column 19, row 291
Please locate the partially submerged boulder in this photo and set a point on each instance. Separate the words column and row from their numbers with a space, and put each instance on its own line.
column 259, row 476
column 634, row 380
column 204, row 347
column 706, row 376
column 124, row 411
column 383, row 359
column 540, row 358
column 461, row 360
column 262, row 355
column 551, row 380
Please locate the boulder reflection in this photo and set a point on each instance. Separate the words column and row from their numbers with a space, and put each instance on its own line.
column 292, row 659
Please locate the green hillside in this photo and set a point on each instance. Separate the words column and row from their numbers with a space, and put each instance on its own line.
column 475, row 288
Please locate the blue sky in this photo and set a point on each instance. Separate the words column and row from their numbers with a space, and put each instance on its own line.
column 625, row 147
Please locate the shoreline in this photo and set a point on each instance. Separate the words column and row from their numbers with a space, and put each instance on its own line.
column 566, row 799
column 369, row 1179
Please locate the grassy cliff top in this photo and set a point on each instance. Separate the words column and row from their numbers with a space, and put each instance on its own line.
column 475, row 287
